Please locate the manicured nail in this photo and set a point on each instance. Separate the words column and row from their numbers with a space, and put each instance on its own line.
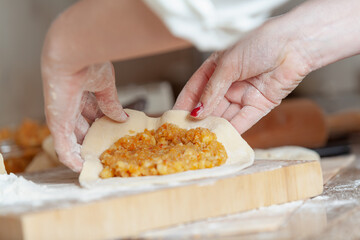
column 197, row 110
column 124, row 116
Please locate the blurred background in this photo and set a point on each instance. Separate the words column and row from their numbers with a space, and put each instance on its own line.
column 23, row 25
column 322, row 113
column 324, row 119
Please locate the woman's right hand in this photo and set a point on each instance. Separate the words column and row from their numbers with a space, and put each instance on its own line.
column 243, row 83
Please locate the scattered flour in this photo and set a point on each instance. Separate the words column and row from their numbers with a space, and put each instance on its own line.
column 347, row 187
column 18, row 194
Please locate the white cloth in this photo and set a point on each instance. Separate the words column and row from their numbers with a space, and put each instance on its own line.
column 212, row 24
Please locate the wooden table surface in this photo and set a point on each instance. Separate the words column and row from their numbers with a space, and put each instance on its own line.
column 333, row 215
column 132, row 211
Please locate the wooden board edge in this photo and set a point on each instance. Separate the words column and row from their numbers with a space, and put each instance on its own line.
column 172, row 206
column 11, row 227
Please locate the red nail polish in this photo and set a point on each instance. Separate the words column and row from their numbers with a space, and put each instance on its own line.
column 197, row 110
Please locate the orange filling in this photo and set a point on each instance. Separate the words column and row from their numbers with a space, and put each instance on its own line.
column 167, row 150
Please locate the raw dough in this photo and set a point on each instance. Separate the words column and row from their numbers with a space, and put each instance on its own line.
column 2, row 165
column 287, row 153
column 45, row 159
column 42, row 162
column 104, row 132
column 48, row 147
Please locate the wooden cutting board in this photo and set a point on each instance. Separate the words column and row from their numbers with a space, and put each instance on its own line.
column 265, row 183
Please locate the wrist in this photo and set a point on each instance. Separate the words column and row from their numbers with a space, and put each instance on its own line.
column 325, row 31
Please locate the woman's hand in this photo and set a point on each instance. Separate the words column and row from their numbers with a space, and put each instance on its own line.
column 79, row 82
column 243, row 83
column 74, row 101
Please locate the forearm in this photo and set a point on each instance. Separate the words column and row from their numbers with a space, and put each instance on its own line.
column 97, row 31
column 325, row 31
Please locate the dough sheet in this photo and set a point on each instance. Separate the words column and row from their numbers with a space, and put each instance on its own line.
column 104, row 132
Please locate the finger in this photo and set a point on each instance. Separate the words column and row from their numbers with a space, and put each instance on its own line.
column 65, row 141
column 103, row 83
column 246, row 118
column 190, row 95
column 252, row 105
column 61, row 118
column 231, row 111
column 68, row 151
column 277, row 84
column 81, row 128
column 222, row 107
column 244, row 93
column 110, row 105
column 225, row 74
column 91, row 110
column 62, row 107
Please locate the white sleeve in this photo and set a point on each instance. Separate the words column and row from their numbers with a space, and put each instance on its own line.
column 212, row 24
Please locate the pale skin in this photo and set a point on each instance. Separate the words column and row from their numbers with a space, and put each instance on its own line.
column 241, row 84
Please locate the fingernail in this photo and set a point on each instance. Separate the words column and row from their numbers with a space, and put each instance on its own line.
column 197, row 110
column 124, row 115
